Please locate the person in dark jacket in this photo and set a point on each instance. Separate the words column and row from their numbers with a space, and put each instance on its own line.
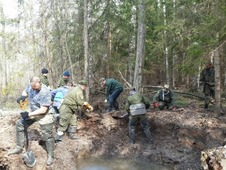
column 44, row 77
column 113, row 90
column 164, row 98
column 207, row 80
column 136, row 105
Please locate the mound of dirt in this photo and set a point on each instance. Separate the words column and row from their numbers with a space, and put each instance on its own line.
column 179, row 137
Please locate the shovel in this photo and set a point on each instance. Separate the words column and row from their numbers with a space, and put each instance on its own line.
column 28, row 156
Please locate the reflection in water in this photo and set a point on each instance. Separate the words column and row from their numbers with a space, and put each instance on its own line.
column 118, row 164
column 94, row 167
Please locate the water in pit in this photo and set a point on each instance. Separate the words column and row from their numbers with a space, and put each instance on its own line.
column 118, row 164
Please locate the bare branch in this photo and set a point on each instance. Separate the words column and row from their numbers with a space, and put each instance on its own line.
column 130, row 86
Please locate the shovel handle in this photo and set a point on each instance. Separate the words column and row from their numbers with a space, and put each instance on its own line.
column 26, row 134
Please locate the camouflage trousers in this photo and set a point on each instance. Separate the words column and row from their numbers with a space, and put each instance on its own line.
column 67, row 117
column 209, row 92
column 163, row 105
column 133, row 120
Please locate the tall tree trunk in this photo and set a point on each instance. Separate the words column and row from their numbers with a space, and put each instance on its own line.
column 106, row 67
column 4, row 58
column 216, row 57
column 140, row 47
column 132, row 46
column 108, row 48
column 165, row 44
column 86, row 55
column 174, row 51
column 217, row 106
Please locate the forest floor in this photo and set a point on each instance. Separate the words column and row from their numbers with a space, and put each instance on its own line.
column 179, row 137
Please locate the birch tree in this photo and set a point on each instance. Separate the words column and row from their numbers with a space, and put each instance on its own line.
column 140, row 46
column 165, row 44
column 86, row 55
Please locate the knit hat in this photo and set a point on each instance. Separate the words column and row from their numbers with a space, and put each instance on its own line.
column 66, row 73
column 83, row 82
column 45, row 71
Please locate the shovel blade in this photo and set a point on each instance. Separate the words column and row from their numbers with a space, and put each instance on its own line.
column 29, row 159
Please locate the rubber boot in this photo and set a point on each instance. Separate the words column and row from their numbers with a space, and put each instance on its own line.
column 115, row 105
column 131, row 135
column 206, row 106
column 72, row 133
column 148, row 136
column 58, row 138
column 20, row 139
column 50, row 151
column 16, row 150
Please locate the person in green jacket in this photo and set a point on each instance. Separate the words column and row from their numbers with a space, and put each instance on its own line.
column 113, row 90
column 73, row 101
column 65, row 79
column 136, row 105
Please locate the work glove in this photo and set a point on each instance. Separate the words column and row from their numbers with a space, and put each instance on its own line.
column 24, row 115
column 21, row 98
column 156, row 105
column 88, row 106
column 174, row 108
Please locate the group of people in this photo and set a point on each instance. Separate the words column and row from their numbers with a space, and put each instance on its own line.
column 41, row 100
column 66, row 100
column 165, row 97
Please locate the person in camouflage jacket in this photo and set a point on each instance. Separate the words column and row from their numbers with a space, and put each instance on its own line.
column 73, row 101
column 207, row 81
column 64, row 80
column 135, row 99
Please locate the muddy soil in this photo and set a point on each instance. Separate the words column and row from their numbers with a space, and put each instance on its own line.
column 179, row 137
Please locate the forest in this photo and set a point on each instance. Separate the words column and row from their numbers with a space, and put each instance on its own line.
column 147, row 42
column 140, row 43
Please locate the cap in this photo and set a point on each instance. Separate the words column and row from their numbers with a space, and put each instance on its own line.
column 101, row 80
column 66, row 73
column 166, row 86
column 45, row 71
column 83, row 82
column 132, row 89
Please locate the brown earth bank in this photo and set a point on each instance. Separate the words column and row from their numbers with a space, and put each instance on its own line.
column 179, row 137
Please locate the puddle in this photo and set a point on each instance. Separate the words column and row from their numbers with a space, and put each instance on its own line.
column 118, row 164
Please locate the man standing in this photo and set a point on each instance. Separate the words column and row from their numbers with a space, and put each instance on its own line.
column 73, row 101
column 164, row 98
column 39, row 97
column 44, row 77
column 207, row 80
column 64, row 80
column 136, row 106
column 113, row 90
